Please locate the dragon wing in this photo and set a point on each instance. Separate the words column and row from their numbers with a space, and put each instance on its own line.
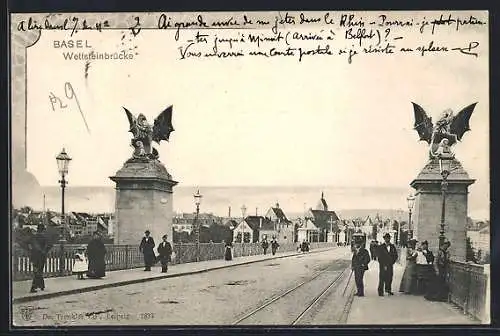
column 162, row 126
column 423, row 123
column 131, row 120
column 460, row 123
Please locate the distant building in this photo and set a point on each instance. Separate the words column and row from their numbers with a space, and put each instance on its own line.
column 184, row 222
column 83, row 223
column 231, row 223
column 321, row 224
column 479, row 235
column 308, row 231
column 367, row 227
column 244, row 231
column 283, row 228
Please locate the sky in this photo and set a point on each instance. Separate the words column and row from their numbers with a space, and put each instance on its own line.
column 254, row 122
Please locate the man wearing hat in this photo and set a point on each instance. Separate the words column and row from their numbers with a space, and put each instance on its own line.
column 387, row 256
column 165, row 252
column 359, row 264
column 146, row 247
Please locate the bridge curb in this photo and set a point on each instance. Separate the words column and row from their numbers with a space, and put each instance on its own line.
column 45, row 296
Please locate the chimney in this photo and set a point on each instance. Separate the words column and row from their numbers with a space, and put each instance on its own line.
column 277, row 205
column 229, row 212
column 260, row 223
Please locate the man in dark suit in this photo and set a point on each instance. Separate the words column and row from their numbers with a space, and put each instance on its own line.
column 165, row 253
column 359, row 264
column 387, row 256
column 146, row 247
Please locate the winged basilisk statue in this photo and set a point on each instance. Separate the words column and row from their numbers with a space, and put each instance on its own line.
column 144, row 134
column 447, row 131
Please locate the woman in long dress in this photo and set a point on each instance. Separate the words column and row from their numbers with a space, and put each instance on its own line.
column 425, row 268
column 228, row 254
column 409, row 280
column 96, row 252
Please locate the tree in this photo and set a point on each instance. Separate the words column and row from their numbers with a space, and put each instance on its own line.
column 219, row 233
column 180, row 237
column 486, row 259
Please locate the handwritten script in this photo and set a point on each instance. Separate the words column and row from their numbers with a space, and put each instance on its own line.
column 299, row 35
column 70, row 95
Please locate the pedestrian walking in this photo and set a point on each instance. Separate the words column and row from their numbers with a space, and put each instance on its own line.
column 147, row 249
column 265, row 245
column 96, row 253
column 274, row 245
column 81, row 264
column 359, row 264
column 387, row 257
column 38, row 248
column 409, row 280
column 165, row 254
column 228, row 254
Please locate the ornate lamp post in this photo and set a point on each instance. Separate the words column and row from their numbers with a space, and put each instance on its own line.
column 411, row 203
column 243, row 212
column 444, row 169
column 197, row 202
column 63, row 160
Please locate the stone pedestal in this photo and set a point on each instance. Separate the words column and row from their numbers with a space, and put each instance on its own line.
column 143, row 201
column 428, row 203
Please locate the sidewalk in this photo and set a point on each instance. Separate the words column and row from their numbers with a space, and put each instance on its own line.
column 67, row 285
column 400, row 308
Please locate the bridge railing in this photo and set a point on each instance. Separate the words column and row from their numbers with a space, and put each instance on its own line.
column 118, row 257
column 469, row 288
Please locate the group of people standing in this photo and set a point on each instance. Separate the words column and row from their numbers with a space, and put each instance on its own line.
column 96, row 252
column 386, row 254
column 419, row 276
column 164, row 252
column 89, row 259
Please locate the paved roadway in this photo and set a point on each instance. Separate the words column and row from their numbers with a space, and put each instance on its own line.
column 218, row 297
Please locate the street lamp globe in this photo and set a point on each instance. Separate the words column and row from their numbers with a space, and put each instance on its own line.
column 197, row 198
column 411, row 202
column 63, row 160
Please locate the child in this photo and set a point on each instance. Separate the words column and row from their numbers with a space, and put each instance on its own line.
column 81, row 264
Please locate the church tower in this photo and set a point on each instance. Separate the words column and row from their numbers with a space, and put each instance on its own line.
column 322, row 205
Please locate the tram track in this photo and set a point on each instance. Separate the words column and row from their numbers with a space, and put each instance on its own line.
column 265, row 310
